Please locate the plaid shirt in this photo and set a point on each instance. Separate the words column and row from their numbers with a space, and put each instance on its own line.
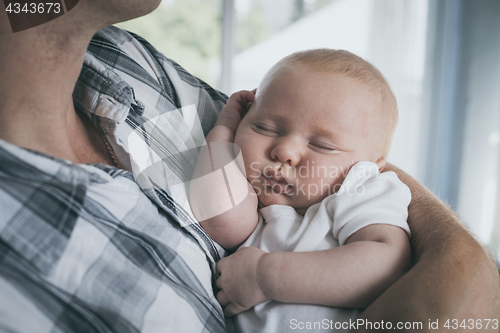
column 94, row 248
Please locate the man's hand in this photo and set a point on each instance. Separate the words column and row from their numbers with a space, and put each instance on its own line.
column 239, row 281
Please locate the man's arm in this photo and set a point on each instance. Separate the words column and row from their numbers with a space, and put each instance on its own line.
column 453, row 276
column 212, row 199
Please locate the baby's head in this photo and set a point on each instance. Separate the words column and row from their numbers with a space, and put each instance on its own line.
column 316, row 113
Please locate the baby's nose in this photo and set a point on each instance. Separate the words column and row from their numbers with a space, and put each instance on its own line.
column 287, row 150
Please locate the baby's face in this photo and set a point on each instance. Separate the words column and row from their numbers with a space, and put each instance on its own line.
column 302, row 134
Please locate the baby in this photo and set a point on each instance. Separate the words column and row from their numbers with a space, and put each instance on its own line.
column 313, row 139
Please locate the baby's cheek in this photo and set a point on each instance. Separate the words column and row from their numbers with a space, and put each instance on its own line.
column 322, row 188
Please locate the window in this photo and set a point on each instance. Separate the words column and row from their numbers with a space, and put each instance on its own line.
column 187, row 31
column 440, row 58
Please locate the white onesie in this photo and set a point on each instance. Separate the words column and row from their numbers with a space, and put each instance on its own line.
column 365, row 197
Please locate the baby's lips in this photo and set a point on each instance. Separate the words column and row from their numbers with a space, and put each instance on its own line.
column 277, row 176
column 280, row 186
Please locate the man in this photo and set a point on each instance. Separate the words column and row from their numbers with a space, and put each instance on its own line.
column 83, row 247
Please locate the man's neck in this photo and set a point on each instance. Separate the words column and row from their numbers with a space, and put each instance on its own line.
column 39, row 72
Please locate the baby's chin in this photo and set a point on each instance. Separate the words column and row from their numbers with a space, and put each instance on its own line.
column 299, row 203
column 268, row 200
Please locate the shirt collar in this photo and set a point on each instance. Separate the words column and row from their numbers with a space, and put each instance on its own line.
column 102, row 92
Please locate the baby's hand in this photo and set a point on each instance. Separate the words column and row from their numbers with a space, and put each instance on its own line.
column 239, row 281
column 235, row 109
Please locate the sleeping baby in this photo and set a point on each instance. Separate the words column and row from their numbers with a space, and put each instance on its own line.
column 324, row 230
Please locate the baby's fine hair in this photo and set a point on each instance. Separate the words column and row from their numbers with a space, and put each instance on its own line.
column 346, row 63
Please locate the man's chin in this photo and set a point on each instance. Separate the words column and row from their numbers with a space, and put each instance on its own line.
column 121, row 11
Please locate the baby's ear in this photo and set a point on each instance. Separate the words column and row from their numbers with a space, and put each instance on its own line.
column 381, row 164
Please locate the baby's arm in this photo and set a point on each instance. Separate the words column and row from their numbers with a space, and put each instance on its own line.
column 352, row 275
column 210, row 196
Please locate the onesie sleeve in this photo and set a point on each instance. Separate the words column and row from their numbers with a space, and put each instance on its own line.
column 369, row 197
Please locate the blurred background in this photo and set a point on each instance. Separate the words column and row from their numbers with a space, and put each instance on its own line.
column 441, row 58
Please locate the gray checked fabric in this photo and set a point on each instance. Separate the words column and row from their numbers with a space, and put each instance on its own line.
column 93, row 248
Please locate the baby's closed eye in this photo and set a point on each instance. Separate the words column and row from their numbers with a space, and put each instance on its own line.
column 265, row 129
column 323, row 148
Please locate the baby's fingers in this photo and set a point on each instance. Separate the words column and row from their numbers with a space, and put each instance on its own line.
column 218, row 282
column 232, row 310
column 222, row 298
column 240, row 100
column 221, row 265
column 243, row 96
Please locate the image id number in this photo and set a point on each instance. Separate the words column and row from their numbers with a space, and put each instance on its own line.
column 34, row 8
column 471, row 324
